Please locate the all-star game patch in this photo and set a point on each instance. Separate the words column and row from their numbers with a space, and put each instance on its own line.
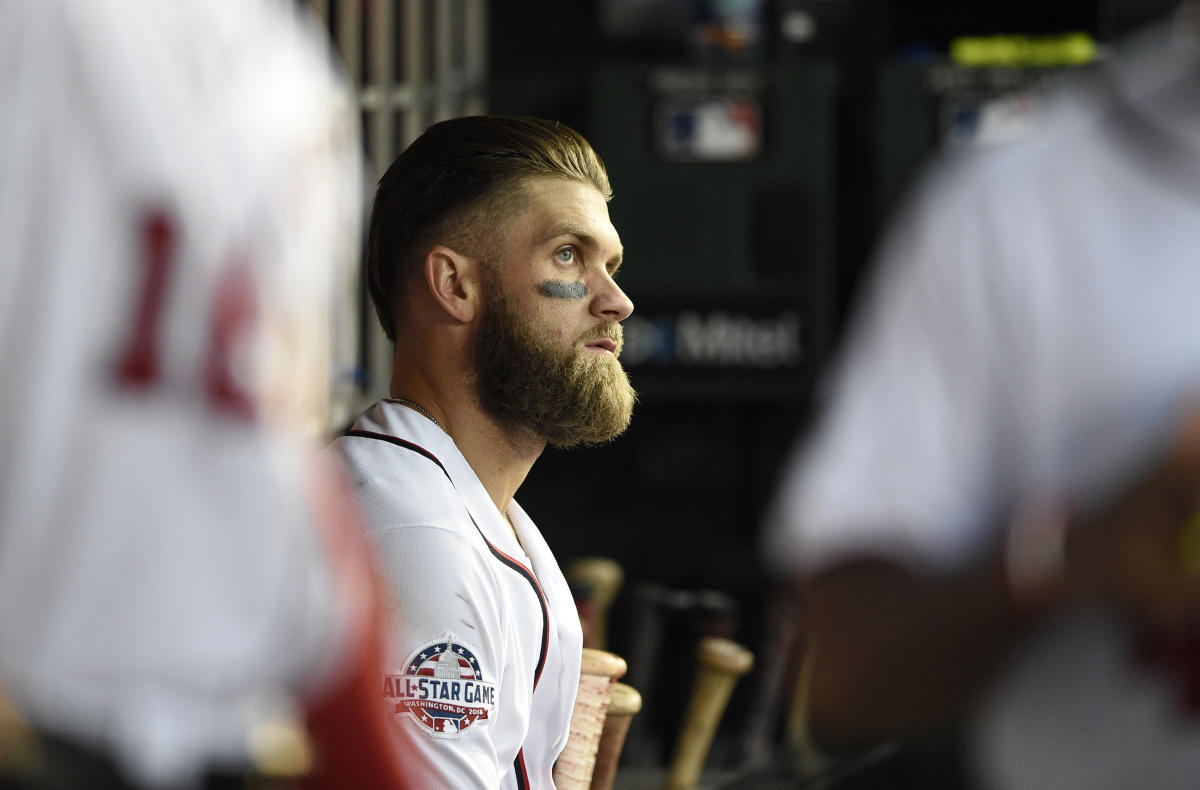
column 443, row 689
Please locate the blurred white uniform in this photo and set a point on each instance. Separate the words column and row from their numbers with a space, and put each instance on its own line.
column 485, row 643
column 1033, row 330
column 177, row 181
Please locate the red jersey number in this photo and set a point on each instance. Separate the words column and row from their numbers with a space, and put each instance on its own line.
column 231, row 314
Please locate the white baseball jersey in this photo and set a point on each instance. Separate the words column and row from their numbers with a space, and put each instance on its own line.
column 1033, row 329
column 177, row 181
column 486, row 648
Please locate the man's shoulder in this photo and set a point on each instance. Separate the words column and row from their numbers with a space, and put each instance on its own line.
column 398, row 486
column 373, row 448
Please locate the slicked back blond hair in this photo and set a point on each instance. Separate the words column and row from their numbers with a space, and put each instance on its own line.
column 457, row 184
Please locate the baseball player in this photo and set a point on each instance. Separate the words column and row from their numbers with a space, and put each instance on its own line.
column 491, row 262
column 1011, row 454
column 177, row 580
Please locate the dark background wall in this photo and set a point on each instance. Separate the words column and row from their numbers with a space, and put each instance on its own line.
column 847, row 119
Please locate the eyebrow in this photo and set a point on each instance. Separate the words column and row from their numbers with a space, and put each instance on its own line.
column 587, row 240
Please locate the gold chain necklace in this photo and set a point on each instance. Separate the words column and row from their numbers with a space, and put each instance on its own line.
column 419, row 409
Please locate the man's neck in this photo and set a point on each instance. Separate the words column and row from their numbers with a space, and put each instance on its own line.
column 499, row 456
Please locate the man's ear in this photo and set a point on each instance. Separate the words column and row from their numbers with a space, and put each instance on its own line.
column 453, row 282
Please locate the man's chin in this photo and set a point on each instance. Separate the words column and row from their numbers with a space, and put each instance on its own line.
column 606, row 421
column 582, row 439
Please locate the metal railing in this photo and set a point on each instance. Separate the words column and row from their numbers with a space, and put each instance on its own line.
column 413, row 63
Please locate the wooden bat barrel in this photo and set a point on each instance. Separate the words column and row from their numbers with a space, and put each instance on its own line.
column 623, row 704
column 720, row 662
column 597, row 675
column 604, row 576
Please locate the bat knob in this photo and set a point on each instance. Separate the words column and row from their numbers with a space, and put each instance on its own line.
column 724, row 655
column 604, row 577
column 720, row 662
column 597, row 676
column 623, row 704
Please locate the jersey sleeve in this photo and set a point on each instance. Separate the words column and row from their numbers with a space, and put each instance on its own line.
column 443, row 667
column 903, row 460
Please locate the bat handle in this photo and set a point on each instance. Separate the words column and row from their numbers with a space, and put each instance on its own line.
column 597, row 675
column 604, row 576
column 720, row 662
column 623, row 704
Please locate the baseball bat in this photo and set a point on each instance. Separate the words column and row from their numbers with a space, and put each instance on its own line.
column 720, row 662
column 782, row 648
column 623, row 704
column 597, row 675
column 604, row 576
column 648, row 609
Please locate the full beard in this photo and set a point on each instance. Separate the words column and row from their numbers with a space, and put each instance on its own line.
column 567, row 397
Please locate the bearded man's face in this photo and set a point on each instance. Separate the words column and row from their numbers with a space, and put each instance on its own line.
column 567, row 396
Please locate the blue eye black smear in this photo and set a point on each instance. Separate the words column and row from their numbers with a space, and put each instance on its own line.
column 556, row 289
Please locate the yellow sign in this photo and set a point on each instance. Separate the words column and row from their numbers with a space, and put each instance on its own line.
column 1068, row 49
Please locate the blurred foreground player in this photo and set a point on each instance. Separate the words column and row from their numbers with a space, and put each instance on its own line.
column 993, row 516
column 491, row 262
column 179, row 587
